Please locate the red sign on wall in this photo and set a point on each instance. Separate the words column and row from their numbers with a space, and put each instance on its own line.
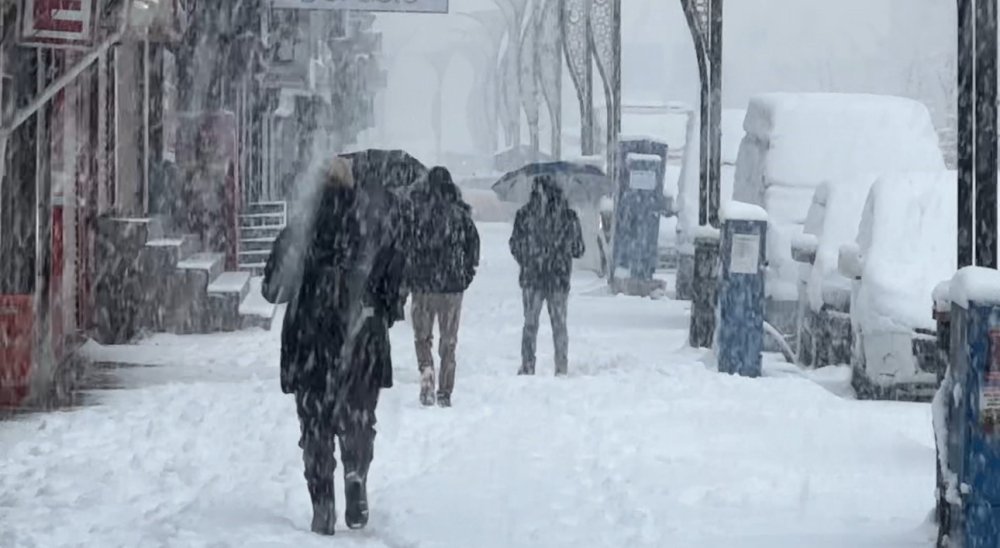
column 16, row 342
column 58, row 23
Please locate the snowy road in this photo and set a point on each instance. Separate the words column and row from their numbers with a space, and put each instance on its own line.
column 642, row 445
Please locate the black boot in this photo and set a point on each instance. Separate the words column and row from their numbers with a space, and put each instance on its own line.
column 356, row 513
column 324, row 503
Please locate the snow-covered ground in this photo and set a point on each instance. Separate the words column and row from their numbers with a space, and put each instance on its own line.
column 642, row 445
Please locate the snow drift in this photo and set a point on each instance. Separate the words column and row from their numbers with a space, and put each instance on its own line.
column 795, row 142
column 688, row 182
column 833, row 219
column 907, row 239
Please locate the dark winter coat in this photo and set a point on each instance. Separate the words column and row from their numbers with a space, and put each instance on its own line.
column 546, row 239
column 342, row 302
column 443, row 247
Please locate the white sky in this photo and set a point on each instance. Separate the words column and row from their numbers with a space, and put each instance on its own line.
column 902, row 47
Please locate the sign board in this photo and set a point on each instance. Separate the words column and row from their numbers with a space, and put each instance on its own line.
column 642, row 179
column 417, row 6
column 58, row 23
column 745, row 255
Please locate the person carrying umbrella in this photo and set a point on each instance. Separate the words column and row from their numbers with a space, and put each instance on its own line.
column 340, row 273
column 546, row 238
column 442, row 261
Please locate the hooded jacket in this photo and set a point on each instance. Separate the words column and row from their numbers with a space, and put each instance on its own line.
column 341, row 300
column 546, row 238
column 443, row 248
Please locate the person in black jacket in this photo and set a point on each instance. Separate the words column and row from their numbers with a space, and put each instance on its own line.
column 546, row 239
column 442, row 259
column 340, row 274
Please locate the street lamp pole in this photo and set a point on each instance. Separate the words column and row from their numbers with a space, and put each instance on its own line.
column 715, row 129
column 704, row 19
column 977, row 133
column 966, row 120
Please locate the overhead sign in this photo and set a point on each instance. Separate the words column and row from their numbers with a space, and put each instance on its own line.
column 418, row 6
column 58, row 23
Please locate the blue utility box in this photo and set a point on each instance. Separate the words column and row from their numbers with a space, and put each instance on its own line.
column 639, row 202
column 967, row 416
column 740, row 333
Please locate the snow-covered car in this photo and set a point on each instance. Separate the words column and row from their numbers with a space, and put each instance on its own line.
column 906, row 245
column 824, row 322
column 795, row 142
column 686, row 203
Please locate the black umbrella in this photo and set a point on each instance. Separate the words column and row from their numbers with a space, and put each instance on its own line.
column 393, row 169
column 579, row 182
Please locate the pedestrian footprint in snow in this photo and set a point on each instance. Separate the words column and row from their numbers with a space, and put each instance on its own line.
column 442, row 258
column 546, row 239
column 340, row 272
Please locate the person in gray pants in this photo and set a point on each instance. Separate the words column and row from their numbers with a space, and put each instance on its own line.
column 546, row 239
column 441, row 263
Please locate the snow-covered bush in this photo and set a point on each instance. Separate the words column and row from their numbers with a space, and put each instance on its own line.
column 686, row 203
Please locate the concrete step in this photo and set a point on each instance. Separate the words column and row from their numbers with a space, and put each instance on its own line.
column 210, row 265
column 230, row 283
column 255, row 269
column 248, row 220
column 254, row 256
column 260, row 232
column 175, row 249
column 257, row 244
column 225, row 294
column 266, row 207
column 187, row 306
column 255, row 311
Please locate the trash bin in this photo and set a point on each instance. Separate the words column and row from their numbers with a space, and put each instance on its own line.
column 967, row 416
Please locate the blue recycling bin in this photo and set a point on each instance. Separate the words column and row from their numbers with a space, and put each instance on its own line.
column 968, row 406
column 639, row 204
column 740, row 333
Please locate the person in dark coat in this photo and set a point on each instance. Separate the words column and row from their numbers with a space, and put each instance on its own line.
column 340, row 275
column 546, row 238
column 441, row 262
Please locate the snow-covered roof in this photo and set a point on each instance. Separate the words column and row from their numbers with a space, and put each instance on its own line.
column 810, row 137
column 739, row 211
column 638, row 157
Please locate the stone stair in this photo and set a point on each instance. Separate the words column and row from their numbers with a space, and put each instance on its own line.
column 190, row 291
column 260, row 226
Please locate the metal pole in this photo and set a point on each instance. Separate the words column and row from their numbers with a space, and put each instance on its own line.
column 700, row 46
column 986, row 133
column 616, row 85
column 3, row 112
column 715, row 167
column 43, row 238
column 966, row 122
column 145, row 126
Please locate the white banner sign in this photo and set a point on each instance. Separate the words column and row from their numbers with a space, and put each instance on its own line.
column 419, row 6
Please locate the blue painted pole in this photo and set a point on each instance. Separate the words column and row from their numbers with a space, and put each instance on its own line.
column 740, row 333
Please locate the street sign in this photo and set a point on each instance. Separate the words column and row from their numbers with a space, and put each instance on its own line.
column 418, row 6
column 58, row 23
